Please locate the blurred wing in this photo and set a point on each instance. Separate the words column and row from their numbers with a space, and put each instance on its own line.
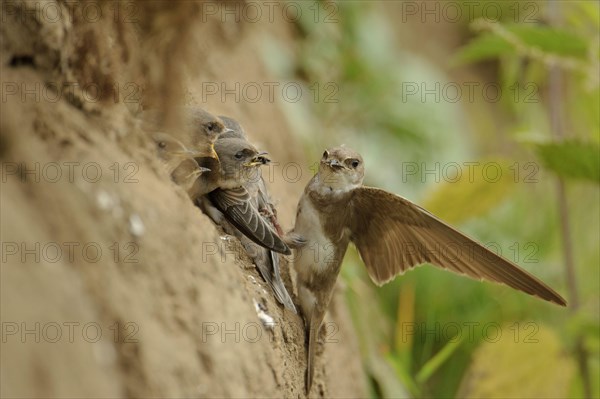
column 393, row 235
column 238, row 209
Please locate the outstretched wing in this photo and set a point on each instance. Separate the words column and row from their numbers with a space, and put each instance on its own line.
column 238, row 209
column 393, row 235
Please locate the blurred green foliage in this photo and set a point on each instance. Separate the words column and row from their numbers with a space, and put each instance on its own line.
column 505, row 39
column 427, row 334
column 571, row 159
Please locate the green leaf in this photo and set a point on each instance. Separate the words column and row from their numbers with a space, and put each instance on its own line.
column 548, row 40
column 484, row 47
column 551, row 40
column 436, row 361
column 571, row 159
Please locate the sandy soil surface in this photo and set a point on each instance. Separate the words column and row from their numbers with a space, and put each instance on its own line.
column 112, row 283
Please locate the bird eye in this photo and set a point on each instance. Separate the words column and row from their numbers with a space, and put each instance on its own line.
column 325, row 155
column 239, row 155
column 355, row 163
column 162, row 144
column 211, row 126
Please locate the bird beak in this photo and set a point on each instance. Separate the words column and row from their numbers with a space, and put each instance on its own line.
column 213, row 153
column 259, row 159
column 262, row 156
column 208, row 153
column 334, row 163
column 197, row 172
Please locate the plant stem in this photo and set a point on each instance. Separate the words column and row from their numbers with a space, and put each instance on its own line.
column 556, row 122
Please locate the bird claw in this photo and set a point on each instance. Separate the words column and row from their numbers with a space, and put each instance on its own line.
column 294, row 240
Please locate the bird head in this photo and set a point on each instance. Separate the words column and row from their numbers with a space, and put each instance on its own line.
column 341, row 168
column 239, row 158
column 205, row 129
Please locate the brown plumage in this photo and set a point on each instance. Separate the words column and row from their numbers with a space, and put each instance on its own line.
column 397, row 235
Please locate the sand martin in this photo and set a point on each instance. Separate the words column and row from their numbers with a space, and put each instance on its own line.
column 391, row 234
column 225, row 188
column 198, row 129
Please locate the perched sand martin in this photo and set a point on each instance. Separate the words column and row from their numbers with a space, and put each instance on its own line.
column 391, row 234
column 225, row 189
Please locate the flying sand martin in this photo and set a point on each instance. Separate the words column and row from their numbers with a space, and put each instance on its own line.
column 392, row 235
